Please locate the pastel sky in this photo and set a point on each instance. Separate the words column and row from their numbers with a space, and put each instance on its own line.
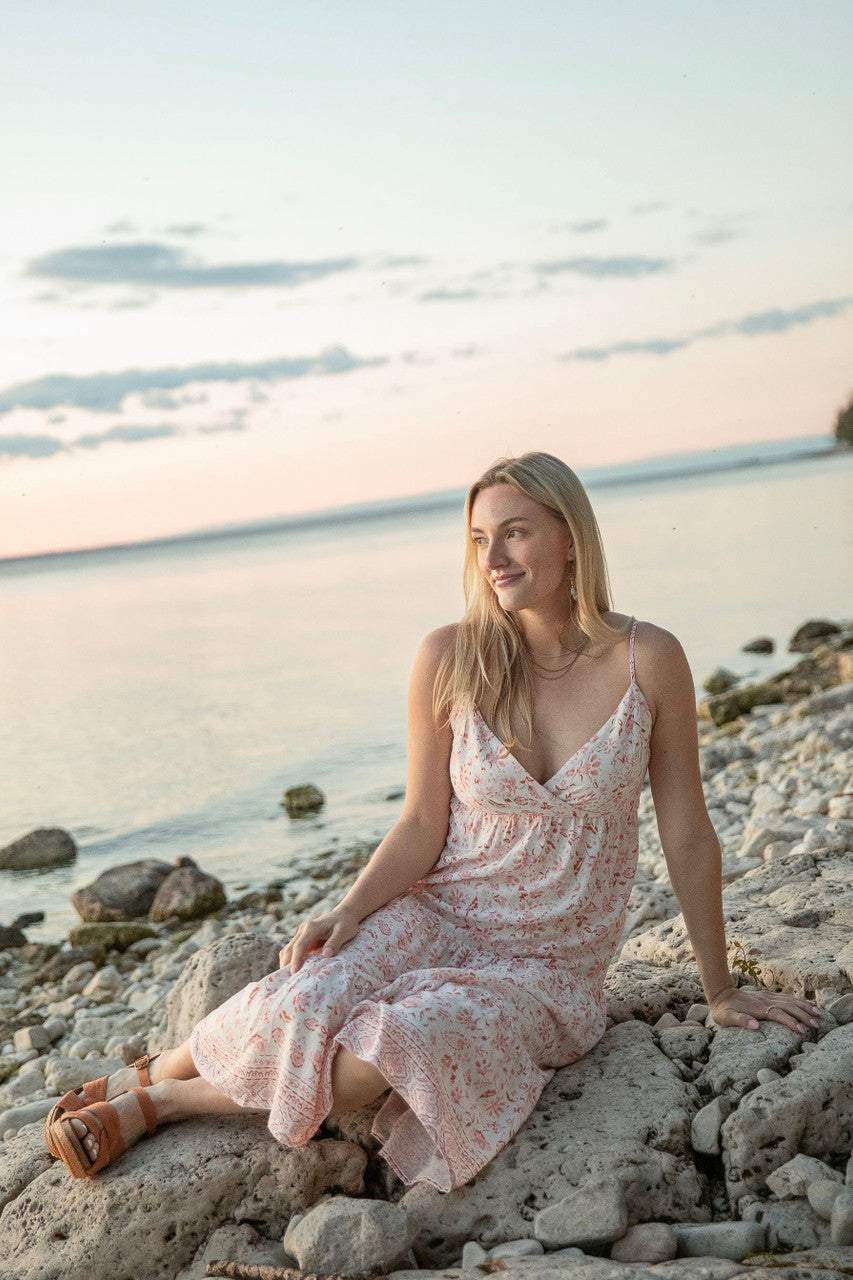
column 267, row 258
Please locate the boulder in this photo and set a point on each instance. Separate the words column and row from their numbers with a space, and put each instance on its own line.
column 211, row 976
column 737, row 1055
column 723, row 707
column 810, row 634
column 125, row 892
column 27, row 918
column 22, row 1159
column 622, row 1111
column 799, row 908
column 761, row 644
column 46, row 847
column 117, row 935
column 303, row 799
column 187, row 893
column 810, row 1111
column 719, row 680
column 11, row 937
column 789, row 1224
column 794, row 1178
column 348, row 1236
column 642, row 990
column 148, row 1215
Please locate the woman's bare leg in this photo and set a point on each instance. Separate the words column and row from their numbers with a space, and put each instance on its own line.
column 354, row 1084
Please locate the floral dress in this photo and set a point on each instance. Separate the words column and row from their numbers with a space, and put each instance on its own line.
column 467, row 991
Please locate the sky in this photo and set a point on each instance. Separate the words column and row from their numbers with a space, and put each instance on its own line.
column 259, row 260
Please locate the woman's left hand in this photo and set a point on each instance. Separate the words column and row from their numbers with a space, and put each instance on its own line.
column 736, row 1008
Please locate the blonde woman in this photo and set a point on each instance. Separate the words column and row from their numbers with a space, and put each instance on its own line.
column 467, row 961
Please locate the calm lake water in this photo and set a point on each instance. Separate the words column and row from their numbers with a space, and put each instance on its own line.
column 157, row 701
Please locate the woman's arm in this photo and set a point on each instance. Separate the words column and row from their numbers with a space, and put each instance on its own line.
column 413, row 844
column 690, row 844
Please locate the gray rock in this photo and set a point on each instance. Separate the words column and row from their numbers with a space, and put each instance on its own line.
column 822, row 1195
column 841, row 1223
column 12, row 938
column 801, row 909
column 472, row 1254
column 342, row 1235
column 211, row 976
column 737, row 1055
column 647, row 1242
column 706, row 1124
column 842, row 1009
column 46, row 847
column 810, row 634
column 697, row 1013
column 685, row 1042
column 16, row 1118
column 640, row 989
column 666, row 1021
column 22, row 1159
column 187, row 893
column 589, row 1218
column 31, row 1038
column 622, row 1111
column 825, row 1263
column 809, row 1111
column 303, row 799
column 62, row 1072
column 788, row 1224
column 697, row 1269
column 732, row 1240
column 116, row 935
column 234, row 1243
column 204, row 1174
column 766, row 1075
column 517, row 1249
column 121, row 893
column 761, row 644
column 796, row 1176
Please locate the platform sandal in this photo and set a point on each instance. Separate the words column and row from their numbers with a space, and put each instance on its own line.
column 91, row 1092
column 102, row 1122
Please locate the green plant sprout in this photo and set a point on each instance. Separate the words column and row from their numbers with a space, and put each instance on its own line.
column 744, row 962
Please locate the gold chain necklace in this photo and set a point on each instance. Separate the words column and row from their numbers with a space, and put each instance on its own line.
column 550, row 673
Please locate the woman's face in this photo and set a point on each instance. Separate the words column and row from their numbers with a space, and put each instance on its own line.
column 524, row 550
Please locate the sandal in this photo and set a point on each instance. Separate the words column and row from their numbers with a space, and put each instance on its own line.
column 102, row 1122
column 93, row 1091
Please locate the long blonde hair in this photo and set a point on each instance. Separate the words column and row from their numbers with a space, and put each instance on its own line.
column 490, row 652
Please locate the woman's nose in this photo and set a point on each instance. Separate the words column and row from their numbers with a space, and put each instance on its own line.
column 495, row 555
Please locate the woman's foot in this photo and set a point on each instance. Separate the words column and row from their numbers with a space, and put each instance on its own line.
column 132, row 1123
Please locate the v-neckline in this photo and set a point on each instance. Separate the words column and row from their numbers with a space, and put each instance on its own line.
column 544, row 785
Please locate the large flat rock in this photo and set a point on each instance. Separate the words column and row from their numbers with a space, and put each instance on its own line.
column 642, row 990
column 623, row 1111
column 147, row 1216
column 798, row 911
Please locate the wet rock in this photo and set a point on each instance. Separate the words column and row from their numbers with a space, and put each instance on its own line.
column 211, row 976
column 761, row 644
column 719, row 680
column 811, row 634
column 304, row 799
column 46, row 847
column 187, row 893
column 206, row 1173
column 26, row 919
column 810, row 1111
column 117, row 935
column 589, row 1218
column 796, row 1176
column 621, row 1112
column 732, row 1240
column 125, row 892
column 348, row 1236
column 647, row 1242
column 11, row 937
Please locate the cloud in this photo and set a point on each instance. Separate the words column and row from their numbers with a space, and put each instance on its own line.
column 407, row 260
column 715, row 235
column 626, row 267
column 102, row 392
column 590, row 224
column 186, row 229
column 154, row 264
column 24, row 446
column 762, row 322
column 124, row 227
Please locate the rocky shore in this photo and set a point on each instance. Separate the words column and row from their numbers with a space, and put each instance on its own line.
column 673, row 1149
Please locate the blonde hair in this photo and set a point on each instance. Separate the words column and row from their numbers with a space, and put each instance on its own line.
column 490, row 652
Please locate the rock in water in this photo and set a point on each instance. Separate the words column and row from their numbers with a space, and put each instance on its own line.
column 46, row 847
column 11, row 937
column 305, row 799
column 719, row 680
column 348, row 1236
column 761, row 644
column 122, row 893
column 810, row 635
column 187, row 893
column 118, row 935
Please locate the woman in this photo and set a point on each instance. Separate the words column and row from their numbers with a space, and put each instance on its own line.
column 467, row 961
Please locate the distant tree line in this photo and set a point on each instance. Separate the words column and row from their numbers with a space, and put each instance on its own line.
column 844, row 424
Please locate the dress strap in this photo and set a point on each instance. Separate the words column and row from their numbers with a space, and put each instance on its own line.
column 631, row 650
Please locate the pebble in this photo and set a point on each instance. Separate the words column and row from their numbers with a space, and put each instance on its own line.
column 766, row 1075
column 472, row 1254
column 666, row 1020
column 841, row 1223
column 822, row 1195
column 517, row 1249
column 31, row 1038
column 706, row 1124
column 842, row 1009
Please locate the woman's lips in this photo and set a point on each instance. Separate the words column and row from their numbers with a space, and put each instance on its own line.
column 505, row 581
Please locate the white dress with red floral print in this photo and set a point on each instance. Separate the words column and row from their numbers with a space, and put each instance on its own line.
column 471, row 988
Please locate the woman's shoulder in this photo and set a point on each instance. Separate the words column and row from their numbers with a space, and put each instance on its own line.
column 661, row 666
column 436, row 643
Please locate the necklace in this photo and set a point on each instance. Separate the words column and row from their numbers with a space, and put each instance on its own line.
column 551, row 673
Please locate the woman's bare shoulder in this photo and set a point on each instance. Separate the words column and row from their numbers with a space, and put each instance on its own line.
column 662, row 670
column 437, row 643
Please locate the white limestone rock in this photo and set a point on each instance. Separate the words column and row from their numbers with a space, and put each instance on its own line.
column 732, row 1240
column 737, row 1055
column 789, row 1224
column 706, row 1124
column 589, row 1218
column 822, row 1195
column 796, row 1176
column 841, row 1223
column 344, row 1235
column 646, row 1242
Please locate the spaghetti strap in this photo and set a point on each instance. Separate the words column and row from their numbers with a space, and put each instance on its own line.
column 631, row 652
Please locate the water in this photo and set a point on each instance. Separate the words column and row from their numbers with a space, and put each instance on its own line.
column 156, row 701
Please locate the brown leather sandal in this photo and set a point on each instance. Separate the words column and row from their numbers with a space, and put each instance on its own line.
column 93, row 1091
column 102, row 1122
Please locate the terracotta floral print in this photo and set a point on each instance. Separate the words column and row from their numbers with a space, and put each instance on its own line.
column 468, row 990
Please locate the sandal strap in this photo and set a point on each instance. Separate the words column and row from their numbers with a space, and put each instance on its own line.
column 147, row 1107
column 102, row 1121
column 142, row 1064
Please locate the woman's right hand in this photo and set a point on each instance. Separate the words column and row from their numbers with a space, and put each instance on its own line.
column 329, row 931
